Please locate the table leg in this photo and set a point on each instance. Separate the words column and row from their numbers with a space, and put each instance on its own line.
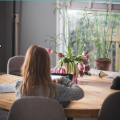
column 69, row 118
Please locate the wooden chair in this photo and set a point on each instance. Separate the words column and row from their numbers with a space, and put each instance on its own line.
column 36, row 108
column 111, row 108
column 14, row 65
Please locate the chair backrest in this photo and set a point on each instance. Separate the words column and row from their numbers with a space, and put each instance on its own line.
column 36, row 108
column 111, row 108
column 14, row 64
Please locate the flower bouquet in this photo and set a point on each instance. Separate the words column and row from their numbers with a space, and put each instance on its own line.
column 69, row 64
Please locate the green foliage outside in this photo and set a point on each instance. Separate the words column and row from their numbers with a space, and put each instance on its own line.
column 81, row 25
column 80, row 33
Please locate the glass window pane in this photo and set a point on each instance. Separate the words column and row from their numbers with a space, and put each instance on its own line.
column 80, row 34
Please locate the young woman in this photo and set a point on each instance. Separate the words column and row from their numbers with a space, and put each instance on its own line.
column 37, row 81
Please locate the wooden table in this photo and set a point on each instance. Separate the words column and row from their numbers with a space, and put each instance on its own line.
column 96, row 90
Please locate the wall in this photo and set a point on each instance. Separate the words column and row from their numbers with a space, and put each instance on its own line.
column 36, row 21
column 5, row 33
column 6, row 10
column 9, row 31
column 3, row 20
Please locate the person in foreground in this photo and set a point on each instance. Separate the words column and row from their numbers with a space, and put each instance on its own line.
column 37, row 80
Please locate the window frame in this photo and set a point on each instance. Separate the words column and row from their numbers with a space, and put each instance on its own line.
column 78, row 5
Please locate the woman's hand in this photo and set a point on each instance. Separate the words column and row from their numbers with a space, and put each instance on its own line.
column 56, row 80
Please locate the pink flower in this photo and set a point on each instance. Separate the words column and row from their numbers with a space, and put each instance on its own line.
column 62, row 71
column 59, row 55
column 59, row 69
column 81, row 73
column 75, row 80
column 55, row 70
column 49, row 50
column 85, row 62
column 80, row 66
column 84, row 53
column 73, row 77
column 87, row 68
column 86, row 57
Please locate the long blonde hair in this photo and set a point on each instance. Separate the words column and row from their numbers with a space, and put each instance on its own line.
column 36, row 72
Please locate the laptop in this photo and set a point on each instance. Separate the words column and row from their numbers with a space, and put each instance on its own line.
column 59, row 75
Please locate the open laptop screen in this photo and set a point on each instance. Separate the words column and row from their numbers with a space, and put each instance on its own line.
column 58, row 75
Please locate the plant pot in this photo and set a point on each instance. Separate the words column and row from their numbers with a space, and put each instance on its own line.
column 103, row 64
column 71, row 72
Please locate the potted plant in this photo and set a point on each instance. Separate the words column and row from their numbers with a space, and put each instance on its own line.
column 67, row 63
column 101, row 36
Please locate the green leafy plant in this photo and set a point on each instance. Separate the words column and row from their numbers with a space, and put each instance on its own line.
column 71, row 61
column 101, row 38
